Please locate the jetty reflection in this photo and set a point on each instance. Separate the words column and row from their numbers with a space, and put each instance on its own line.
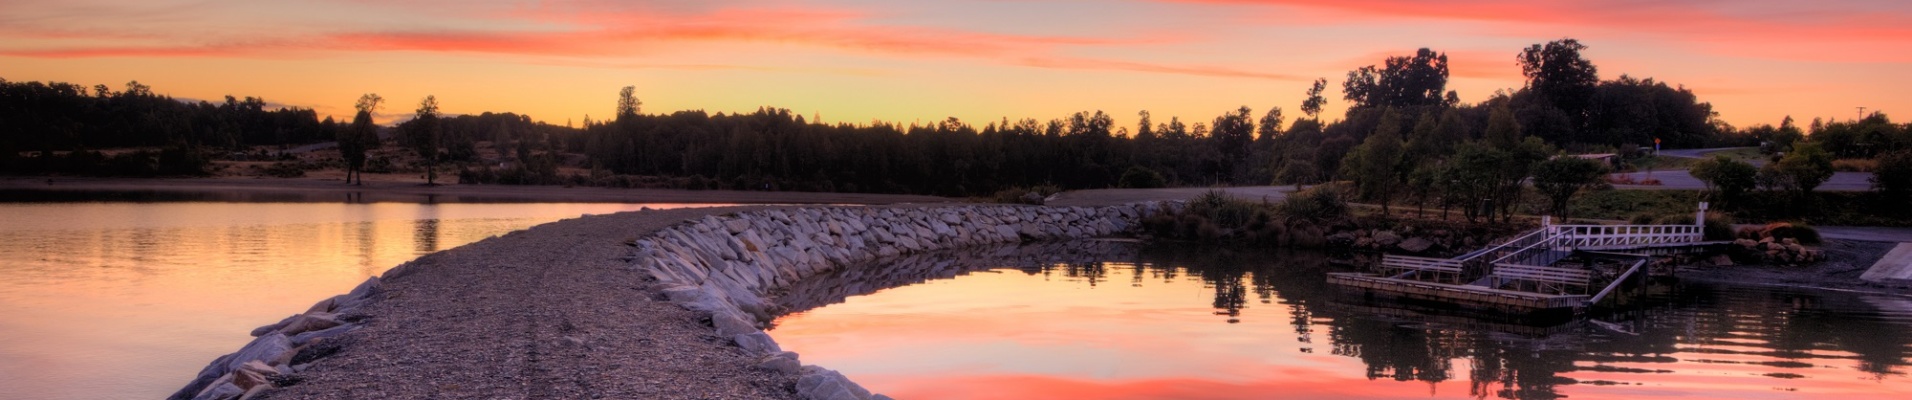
column 1106, row 319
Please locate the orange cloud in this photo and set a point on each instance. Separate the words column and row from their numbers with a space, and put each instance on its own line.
column 616, row 33
column 1460, row 63
column 1118, row 65
column 1808, row 31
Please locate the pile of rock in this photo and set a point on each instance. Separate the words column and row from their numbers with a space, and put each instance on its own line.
column 281, row 349
column 1408, row 241
column 725, row 265
column 1782, row 251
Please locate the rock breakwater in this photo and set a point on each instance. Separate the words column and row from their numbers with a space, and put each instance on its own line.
column 280, row 350
column 732, row 266
column 727, row 267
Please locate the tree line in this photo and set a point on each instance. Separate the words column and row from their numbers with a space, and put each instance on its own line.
column 60, row 128
column 1405, row 138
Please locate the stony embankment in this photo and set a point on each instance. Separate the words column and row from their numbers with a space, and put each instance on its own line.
column 566, row 310
column 731, row 266
column 281, row 349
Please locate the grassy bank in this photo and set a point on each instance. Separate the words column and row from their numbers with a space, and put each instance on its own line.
column 1827, row 208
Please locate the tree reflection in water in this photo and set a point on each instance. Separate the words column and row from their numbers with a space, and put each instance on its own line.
column 1683, row 327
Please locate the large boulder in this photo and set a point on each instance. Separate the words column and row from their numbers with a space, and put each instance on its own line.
column 757, row 342
column 1386, row 238
column 820, row 383
column 303, row 323
column 784, row 362
column 209, row 379
column 223, row 391
column 1415, row 245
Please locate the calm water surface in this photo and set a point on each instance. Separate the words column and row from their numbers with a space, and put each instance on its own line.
column 1120, row 322
column 129, row 300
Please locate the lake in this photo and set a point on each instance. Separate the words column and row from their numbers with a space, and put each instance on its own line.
column 1112, row 320
column 128, row 300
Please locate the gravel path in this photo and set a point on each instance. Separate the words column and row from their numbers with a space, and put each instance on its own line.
column 553, row 312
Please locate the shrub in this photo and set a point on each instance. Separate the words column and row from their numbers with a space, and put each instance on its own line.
column 1893, row 175
column 284, row 169
column 1728, row 178
column 1020, row 195
column 1317, row 204
column 1718, row 226
column 1141, row 178
column 1223, row 210
column 1806, row 167
column 183, row 160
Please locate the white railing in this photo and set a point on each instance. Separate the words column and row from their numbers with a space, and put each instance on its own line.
column 1438, row 268
column 1497, row 251
column 1546, row 279
column 1597, row 236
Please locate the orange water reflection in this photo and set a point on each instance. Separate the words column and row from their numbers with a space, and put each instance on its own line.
column 128, row 300
column 1148, row 327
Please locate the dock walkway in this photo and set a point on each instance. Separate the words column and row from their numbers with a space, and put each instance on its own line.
column 1547, row 269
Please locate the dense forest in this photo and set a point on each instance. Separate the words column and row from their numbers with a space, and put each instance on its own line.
column 1404, row 137
column 61, row 126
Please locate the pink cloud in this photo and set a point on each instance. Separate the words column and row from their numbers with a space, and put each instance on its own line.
column 1807, row 31
column 615, row 32
column 1460, row 63
column 1119, row 65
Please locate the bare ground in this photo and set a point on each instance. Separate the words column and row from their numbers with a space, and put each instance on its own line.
column 1845, row 261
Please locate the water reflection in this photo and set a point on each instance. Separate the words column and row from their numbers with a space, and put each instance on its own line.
column 127, row 300
column 1043, row 321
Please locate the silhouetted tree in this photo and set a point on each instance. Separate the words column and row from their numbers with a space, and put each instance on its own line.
column 1562, row 79
column 1375, row 166
column 1312, row 105
column 423, row 134
column 359, row 138
column 1271, row 125
column 1561, row 177
column 1418, row 80
column 627, row 103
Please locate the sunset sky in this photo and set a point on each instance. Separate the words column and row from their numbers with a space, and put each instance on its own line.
column 979, row 60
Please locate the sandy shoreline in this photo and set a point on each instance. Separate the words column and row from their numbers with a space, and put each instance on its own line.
column 320, row 190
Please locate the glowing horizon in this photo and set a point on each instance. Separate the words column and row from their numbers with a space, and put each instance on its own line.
column 856, row 61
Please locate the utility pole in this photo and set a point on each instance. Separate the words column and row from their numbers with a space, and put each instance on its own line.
column 1862, row 113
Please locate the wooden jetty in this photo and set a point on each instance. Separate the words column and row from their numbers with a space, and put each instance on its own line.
column 1555, row 269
